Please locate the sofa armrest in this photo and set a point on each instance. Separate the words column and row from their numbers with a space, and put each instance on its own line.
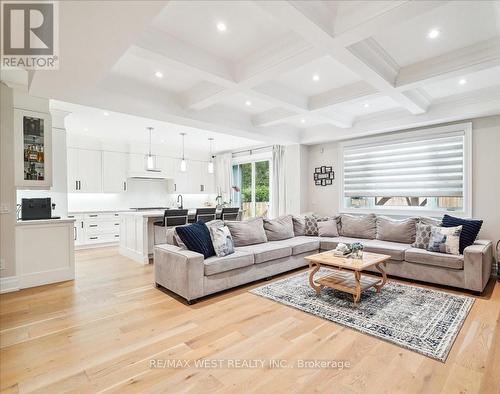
column 477, row 264
column 179, row 270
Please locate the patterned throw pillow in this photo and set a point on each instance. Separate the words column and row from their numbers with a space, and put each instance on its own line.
column 423, row 235
column 221, row 240
column 311, row 225
column 445, row 240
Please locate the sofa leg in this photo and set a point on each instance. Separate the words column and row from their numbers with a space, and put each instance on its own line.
column 157, row 285
column 191, row 302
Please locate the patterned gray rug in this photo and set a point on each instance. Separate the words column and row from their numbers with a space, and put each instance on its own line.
column 423, row 320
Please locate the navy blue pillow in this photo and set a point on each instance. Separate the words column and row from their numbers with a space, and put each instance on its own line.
column 470, row 229
column 196, row 237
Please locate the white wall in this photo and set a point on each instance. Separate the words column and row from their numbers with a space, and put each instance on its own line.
column 485, row 176
column 7, row 189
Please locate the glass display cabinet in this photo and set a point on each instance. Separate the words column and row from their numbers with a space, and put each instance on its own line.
column 33, row 131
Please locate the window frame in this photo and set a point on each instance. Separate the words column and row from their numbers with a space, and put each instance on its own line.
column 465, row 212
column 252, row 159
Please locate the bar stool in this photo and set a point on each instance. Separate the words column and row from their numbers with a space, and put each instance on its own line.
column 230, row 213
column 171, row 218
column 204, row 214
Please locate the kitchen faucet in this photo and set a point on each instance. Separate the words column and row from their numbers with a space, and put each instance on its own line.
column 218, row 201
column 180, row 201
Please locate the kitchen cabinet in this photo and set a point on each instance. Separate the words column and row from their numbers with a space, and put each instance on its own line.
column 84, row 170
column 196, row 180
column 33, row 149
column 94, row 229
column 115, row 168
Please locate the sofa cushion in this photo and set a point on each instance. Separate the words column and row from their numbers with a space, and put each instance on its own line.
column 421, row 256
column 221, row 238
column 196, row 237
column 302, row 244
column 247, row 232
column 364, row 226
column 239, row 259
column 268, row 251
column 279, row 228
column 394, row 249
column 299, row 225
column 328, row 228
column 395, row 230
column 470, row 229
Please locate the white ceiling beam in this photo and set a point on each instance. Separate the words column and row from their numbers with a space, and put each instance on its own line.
column 312, row 30
column 483, row 102
column 456, row 63
column 271, row 117
column 158, row 46
column 360, row 23
column 276, row 58
column 342, row 94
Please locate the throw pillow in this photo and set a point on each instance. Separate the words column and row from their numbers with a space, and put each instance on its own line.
column 247, row 232
column 445, row 240
column 394, row 230
column 221, row 240
column 328, row 228
column 196, row 237
column 423, row 235
column 354, row 226
column 470, row 229
column 311, row 225
column 429, row 221
column 279, row 228
column 299, row 225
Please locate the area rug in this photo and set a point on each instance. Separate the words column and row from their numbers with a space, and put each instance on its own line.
column 423, row 320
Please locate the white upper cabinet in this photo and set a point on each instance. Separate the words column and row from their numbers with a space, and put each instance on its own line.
column 196, row 180
column 114, row 172
column 84, row 170
column 167, row 166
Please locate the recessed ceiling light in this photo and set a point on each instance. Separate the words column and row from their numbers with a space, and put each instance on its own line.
column 463, row 81
column 162, row 141
column 248, row 103
column 106, row 113
column 158, row 74
column 221, row 26
column 366, row 105
column 434, row 33
column 315, row 77
column 302, row 121
column 85, row 129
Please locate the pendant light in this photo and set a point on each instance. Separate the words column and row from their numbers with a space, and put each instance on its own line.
column 183, row 161
column 211, row 162
column 150, row 158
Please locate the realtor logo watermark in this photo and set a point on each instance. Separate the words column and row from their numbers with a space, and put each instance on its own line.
column 30, row 35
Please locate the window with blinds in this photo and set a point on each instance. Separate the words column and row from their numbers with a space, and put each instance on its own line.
column 422, row 170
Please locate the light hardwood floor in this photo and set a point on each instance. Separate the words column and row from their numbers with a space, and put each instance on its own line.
column 99, row 333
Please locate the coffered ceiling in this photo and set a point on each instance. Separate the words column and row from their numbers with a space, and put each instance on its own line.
column 281, row 71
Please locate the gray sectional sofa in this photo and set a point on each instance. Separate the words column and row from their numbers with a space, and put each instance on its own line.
column 189, row 275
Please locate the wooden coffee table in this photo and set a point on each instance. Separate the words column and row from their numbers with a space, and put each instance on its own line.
column 346, row 272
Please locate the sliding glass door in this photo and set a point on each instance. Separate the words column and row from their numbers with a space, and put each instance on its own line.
column 252, row 188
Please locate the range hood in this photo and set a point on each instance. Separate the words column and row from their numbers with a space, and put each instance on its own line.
column 148, row 174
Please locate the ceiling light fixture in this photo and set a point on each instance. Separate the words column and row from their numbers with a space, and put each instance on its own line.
column 221, row 26
column 85, row 129
column 315, row 77
column 183, row 160
column 106, row 113
column 211, row 162
column 366, row 105
column 463, row 81
column 434, row 33
column 248, row 103
column 302, row 121
column 150, row 158
column 158, row 74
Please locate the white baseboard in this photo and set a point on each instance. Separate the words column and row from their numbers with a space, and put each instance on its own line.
column 8, row 284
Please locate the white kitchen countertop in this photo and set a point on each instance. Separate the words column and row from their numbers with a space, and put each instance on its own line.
column 44, row 221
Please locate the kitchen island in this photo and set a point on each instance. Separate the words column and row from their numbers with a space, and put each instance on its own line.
column 137, row 233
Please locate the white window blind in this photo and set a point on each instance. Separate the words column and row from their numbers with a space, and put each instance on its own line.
column 424, row 166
